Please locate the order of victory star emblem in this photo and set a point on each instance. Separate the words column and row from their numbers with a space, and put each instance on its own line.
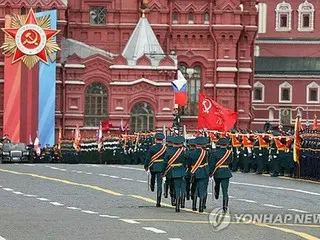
column 30, row 39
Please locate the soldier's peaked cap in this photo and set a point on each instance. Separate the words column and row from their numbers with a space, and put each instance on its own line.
column 223, row 141
column 170, row 139
column 192, row 141
column 201, row 140
column 159, row 136
column 178, row 140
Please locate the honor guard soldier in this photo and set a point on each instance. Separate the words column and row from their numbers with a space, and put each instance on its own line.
column 236, row 149
column 155, row 164
column 220, row 172
column 168, row 184
column 175, row 160
column 200, row 173
column 261, row 152
column 192, row 146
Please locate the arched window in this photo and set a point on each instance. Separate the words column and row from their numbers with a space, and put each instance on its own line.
column 96, row 107
column 142, row 117
column 283, row 16
column 193, row 76
column 271, row 114
column 306, row 17
column 313, row 93
column 23, row 11
column 206, row 18
column 285, row 93
column 175, row 17
column 190, row 18
column 258, row 92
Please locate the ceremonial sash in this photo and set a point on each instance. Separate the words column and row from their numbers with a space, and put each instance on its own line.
column 199, row 161
column 222, row 160
column 172, row 159
column 158, row 154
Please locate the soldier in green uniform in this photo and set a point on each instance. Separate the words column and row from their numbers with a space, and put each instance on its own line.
column 168, row 184
column 176, row 161
column 200, row 172
column 192, row 146
column 220, row 172
column 155, row 164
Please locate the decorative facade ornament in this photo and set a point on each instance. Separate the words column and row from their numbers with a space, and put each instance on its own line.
column 306, row 17
column 283, row 17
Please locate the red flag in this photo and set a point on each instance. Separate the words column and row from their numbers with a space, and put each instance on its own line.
column 106, row 125
column 315, row 123
column 213, row 116
column 77, row 139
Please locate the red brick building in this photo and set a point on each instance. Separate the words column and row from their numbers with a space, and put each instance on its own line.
column 287, row 66
column 117, row 62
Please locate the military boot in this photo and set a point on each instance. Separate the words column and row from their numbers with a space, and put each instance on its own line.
column 178, row 204
column 201, row 205
column 194, row 203
column 225, row 205
column 166, row 190
column 183, row 201
column 205, row 202
column 158, row 199
column 173, row 201
column 216, row 191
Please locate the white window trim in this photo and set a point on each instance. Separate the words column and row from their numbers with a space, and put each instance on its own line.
column 301, row 12
column 313, row 85
column 256, row 50
column 191, row 21
column 204, row 16
column 258, row 85
column 279, row 12
column 175, row 21
column 285, row 85
column 271, row 112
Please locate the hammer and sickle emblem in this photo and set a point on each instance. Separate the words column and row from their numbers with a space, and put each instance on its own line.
column 31, row 39
column 207, row 105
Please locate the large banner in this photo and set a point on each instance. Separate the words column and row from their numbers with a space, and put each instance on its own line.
column 30, row 76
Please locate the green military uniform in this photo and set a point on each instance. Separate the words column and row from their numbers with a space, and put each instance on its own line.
column 168, row 184
column 176, row 161
column 155, row 164
column 200, row 173
column 192, row 146
column 219, row 170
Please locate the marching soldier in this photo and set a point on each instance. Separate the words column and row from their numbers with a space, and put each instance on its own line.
column 168, row 184
column 220, row 172
column 155, row 164
column 200, row 173
column 175, row 160
column 192, row 147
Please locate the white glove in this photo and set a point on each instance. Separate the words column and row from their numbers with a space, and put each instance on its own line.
column 211, row 179
column 245, row 155
column 148, row 172
column 274, row 156
column 260, row 154
column 164, row 179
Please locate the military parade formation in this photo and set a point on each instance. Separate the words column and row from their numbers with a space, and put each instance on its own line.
column 182, row 167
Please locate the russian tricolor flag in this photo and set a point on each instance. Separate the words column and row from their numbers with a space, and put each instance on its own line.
column 180, row 90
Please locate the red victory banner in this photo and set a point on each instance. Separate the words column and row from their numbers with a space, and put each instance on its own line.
column 213, row 116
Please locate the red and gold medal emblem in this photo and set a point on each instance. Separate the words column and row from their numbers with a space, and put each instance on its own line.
column 30, row 39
